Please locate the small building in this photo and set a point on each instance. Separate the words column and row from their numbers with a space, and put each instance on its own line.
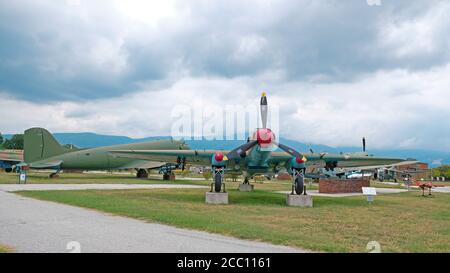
column 416, row 171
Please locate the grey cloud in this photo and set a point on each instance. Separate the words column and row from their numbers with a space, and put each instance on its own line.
column 53, row 51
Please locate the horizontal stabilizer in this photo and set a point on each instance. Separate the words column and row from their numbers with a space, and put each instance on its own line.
column 46, row 165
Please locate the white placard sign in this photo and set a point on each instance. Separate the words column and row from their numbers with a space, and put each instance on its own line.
column 23, row 178
column 369, row 191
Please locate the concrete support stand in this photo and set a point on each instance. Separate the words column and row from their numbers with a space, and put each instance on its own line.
column 246, row 187
column 217, row 198
column 293, row 200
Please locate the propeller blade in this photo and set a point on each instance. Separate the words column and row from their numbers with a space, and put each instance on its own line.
column 236, row 153
column 264, row 110
column 289, row 150
column 364, row 144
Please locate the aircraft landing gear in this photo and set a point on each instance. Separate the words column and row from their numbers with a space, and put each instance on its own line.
column 55, row 174
column 218, row 175
column 142, row 174
column 246, row 186
column 168, row 171
column 298, row 178
column 246, row 181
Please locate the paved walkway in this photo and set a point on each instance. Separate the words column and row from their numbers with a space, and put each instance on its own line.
column 379, row 191
column 63, row 187
column 445, row 189
column 31, row 225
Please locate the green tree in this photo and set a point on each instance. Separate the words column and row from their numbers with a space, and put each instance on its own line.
column 443, row 171
column 1, row 140
column 16, row 142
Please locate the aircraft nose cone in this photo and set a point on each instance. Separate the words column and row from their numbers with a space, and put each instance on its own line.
column 219, row 157
column 299, row 160
column 264, row 136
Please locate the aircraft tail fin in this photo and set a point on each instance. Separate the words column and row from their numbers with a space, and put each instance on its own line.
column 39, row 144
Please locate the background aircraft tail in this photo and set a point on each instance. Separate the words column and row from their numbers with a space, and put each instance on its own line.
column 39, row 144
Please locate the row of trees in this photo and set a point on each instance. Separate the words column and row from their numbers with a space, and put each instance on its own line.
column 443, row 171
column 16, row 142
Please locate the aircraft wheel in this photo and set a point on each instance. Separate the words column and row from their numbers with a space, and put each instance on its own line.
column 141, row 173
column 8, row 170
column 217, row 182
column 299, row 184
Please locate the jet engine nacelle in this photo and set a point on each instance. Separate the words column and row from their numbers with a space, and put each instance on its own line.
column 295, row 163
column 330, row 165
column 219, row 160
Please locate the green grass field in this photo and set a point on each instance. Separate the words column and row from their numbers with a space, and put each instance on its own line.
column 106, row 178
column 403, row 222
column 85, row 178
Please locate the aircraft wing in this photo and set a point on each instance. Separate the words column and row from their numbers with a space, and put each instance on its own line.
column 372, row 167
column 343, row 160
column 10, row 160
column 143, row 164
column 13, row 161
column 202, row 157
column 46, row 164
column 12, row 156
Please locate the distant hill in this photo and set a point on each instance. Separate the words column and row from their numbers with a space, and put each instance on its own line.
column 91, row 140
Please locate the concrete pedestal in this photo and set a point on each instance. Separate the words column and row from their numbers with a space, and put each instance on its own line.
column 299, row 200
column 217, row 198
column 246, row 187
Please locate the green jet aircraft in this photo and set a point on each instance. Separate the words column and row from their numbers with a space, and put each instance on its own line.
column 257, row 156
column 42, row 151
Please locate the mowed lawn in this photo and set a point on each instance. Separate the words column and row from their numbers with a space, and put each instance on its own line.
column 404, row 222
column 115, row 178
column 85, row 178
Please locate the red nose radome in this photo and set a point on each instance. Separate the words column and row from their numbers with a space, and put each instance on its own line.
column 219, row 157
column 300, row 160
column 264, row 136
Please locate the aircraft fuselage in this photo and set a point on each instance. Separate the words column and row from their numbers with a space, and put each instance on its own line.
column 257, row 161
column 101, row 159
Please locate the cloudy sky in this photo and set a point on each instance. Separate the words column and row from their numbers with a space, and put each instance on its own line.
column 338, row 70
